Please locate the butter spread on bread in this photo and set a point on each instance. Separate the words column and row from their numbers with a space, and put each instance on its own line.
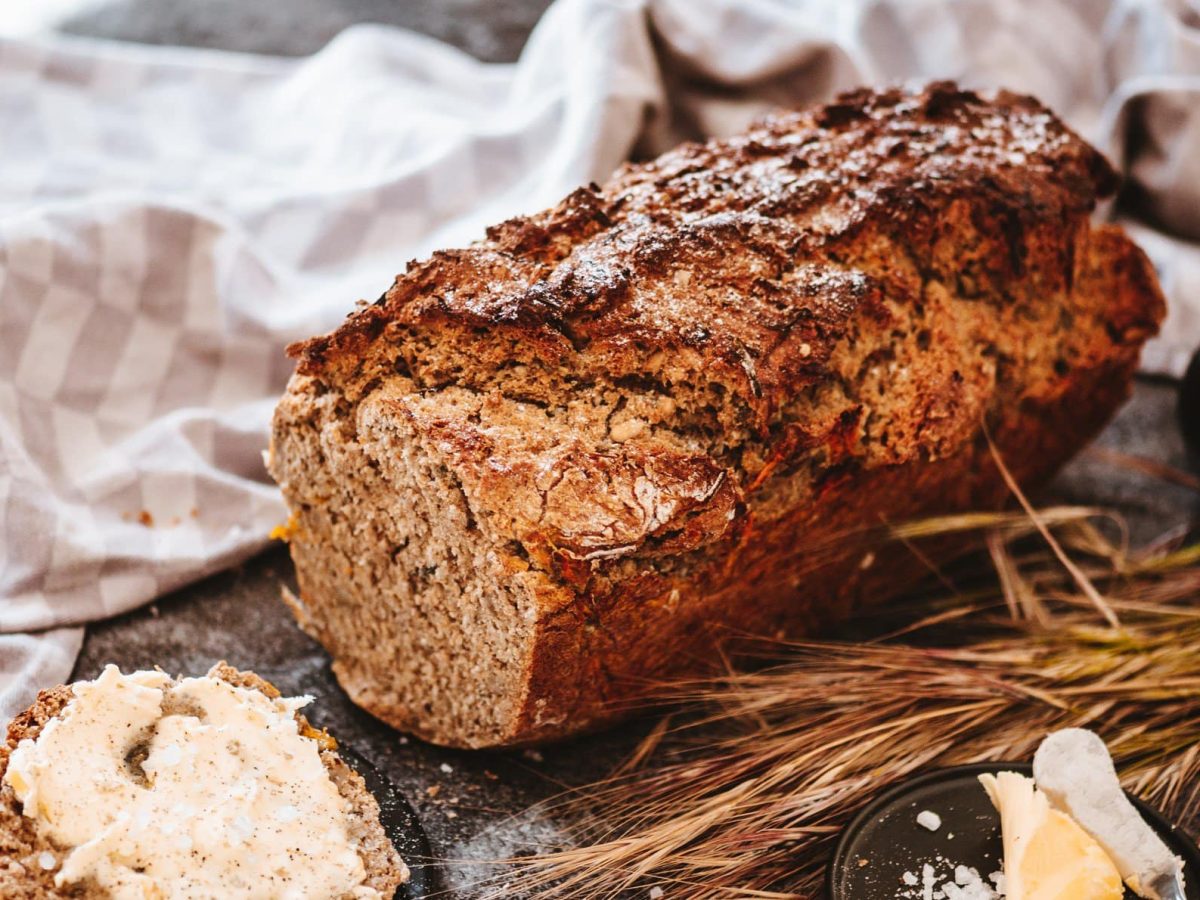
column 153, row 787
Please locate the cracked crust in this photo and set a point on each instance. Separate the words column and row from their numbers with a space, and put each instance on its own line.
column 545, row 468
column 21, row 878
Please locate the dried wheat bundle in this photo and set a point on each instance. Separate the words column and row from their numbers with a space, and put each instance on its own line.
column 741, row 789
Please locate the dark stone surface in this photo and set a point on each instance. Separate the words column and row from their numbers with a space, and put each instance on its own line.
column 491, row 30
column 472, row 804
column 1148, row 427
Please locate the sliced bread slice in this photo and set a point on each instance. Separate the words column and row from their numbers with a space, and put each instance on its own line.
column 34, row 859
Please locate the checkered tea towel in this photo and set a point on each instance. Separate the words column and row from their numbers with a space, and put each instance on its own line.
column 171, row 218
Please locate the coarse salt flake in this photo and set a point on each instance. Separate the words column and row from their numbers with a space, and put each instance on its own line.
column 945, row 880
column 928, row 819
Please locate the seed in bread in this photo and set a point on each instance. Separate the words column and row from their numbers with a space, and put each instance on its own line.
column 545, row 470
column 141, row 785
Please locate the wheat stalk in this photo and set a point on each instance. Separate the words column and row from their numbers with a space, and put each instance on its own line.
column 740, row 791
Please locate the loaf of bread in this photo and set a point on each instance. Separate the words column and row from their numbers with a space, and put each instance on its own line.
column 33, row 864
column 544, row 470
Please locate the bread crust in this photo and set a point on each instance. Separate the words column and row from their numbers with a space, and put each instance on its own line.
column 766, row 216
column 21, row 878
column 782, row 340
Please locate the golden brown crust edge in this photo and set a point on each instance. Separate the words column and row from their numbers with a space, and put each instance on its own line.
column 21, row 878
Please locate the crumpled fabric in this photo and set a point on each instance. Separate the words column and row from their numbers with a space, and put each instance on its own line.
column 171, row 218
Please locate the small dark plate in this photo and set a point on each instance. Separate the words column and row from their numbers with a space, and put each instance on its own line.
column 887, row 837
column 402, row 826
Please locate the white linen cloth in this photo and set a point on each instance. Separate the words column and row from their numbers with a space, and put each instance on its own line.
column 171, row 218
